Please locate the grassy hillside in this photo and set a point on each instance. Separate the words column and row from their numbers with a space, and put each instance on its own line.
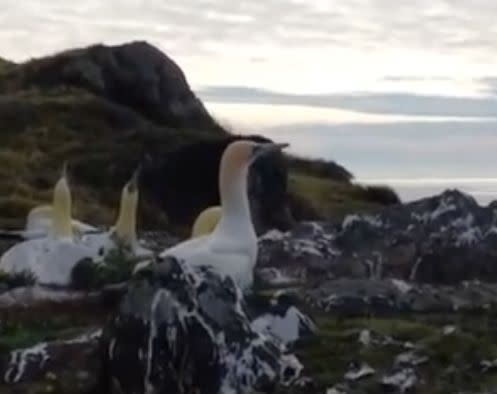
column 333, row 199
column 70, row 106
column 42, row 128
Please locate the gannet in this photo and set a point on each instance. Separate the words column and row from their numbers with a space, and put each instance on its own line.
column 206, row 221
column 50, row 258
column 40, row 221
column 123, row 233
column 231, row 249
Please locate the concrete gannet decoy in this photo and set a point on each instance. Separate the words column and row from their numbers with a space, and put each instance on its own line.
column 231, row 249
column 206, row 221
column 49, row 258
column 123, row 233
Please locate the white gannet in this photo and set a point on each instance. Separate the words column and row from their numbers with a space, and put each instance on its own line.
column 231, row 249
column 50, row 258
column 39, row 224
column 206, row 221
column 123, row 233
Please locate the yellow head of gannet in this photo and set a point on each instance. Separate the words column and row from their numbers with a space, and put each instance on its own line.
column 125, row 228
column 206, row 221
column 233, row 177
column 62, row 225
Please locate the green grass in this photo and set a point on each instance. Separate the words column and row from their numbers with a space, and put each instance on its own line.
column 117, row 267
column 43, row 127
column 11, row 281
column 18, row 333
column 6, row 65
column 331, row 199
column 328, row 355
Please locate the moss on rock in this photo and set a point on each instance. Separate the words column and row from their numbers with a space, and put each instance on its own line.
column 454, row 347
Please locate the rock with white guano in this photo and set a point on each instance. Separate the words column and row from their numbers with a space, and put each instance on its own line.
column 181, row 330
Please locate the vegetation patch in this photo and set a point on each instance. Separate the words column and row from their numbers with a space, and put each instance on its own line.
column 333, row 200
column 116, row 267
column 454, row 347
column 10, row 281
column 19, row 333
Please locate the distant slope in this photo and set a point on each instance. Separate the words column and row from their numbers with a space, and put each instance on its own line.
column 107, row 108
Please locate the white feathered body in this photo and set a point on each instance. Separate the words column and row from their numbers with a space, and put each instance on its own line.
column 229, row 256
column 50, row 260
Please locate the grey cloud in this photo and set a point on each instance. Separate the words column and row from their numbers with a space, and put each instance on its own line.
column 359, row 23
column 379, row 103
column 490, row 83
column 400, row 149
column 415, row 78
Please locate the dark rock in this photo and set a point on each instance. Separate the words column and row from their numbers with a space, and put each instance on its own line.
column 185, row 181
column 443, row 239
column 399, row 380
column 179, row 330
column 280, row 314
column 136, row 75
column 70, row 366
column 392, row 297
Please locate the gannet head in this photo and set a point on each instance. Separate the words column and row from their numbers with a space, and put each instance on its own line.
column 206, row 221
column 237, row 158
column 125, row 228
column 62, row 221
column 233, row 178
column 242, row 153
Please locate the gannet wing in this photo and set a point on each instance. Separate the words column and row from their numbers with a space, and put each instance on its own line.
column 57, row 262
column 21, row 257
column 186, row 248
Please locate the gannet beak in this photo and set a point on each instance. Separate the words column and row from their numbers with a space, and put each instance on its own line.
column 64, row 173
column 264, row 149
column 133, row 182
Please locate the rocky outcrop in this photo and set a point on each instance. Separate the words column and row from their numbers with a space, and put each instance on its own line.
column 188, row 331
column 59, row 365
column 394, row 297
column 381, row 321
column 444, row 239
column 135, row 74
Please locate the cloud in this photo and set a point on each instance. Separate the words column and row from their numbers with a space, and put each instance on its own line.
column 426, row 24
column 415, row 78
column 398, row 150
column 378, row 103
column 489, row 85
column 292, row 45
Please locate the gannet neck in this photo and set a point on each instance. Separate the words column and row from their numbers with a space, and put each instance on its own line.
column 62, row 225
column 125, row 228
column 233, row 179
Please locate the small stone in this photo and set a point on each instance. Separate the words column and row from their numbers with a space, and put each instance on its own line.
column 365, row 337
column 448, row 330
column 50, row 376
column 363, row 371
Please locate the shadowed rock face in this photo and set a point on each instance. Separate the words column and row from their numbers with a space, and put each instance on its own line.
column 185, row 182
column 135, row 74
column 185, row 331
column 444, row 239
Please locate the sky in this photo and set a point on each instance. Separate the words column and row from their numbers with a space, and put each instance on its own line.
column 397, row 91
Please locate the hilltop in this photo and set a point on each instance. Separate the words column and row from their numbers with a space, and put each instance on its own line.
column 107, row 108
